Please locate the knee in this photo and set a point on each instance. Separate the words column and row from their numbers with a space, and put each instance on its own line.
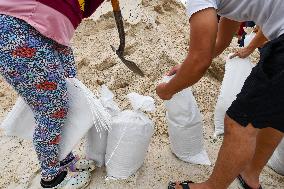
column 229, row 125
column 232, row 128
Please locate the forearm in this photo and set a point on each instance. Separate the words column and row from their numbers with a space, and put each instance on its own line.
column 257, row 41
column 221, row 46
column 202, row 43
column 190, row 72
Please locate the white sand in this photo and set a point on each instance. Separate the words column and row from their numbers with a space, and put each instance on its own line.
column 157, row 39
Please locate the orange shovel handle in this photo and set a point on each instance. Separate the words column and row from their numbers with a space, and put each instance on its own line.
column 115, row 5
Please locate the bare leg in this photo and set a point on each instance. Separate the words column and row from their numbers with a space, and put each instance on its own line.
column 266, row 142
column 236, row 152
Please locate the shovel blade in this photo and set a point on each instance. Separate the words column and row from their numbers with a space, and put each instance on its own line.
column 131, row 65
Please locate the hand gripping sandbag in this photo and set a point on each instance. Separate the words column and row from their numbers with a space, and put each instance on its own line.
column 84, row 112
column 96, row 142
column 185, row 127
column 236, row 72
column 276, row 161
column 129, row 138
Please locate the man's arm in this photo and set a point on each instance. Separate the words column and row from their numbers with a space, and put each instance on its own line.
column 226, row 31
column 258, row 41
column 203, row 32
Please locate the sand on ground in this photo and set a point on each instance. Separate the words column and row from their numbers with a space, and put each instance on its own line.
column 157, row 39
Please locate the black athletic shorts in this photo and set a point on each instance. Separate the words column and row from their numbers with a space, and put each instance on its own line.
column 261, row 100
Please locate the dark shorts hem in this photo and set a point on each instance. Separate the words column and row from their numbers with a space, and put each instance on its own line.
column 240, row 120
column 244, row 122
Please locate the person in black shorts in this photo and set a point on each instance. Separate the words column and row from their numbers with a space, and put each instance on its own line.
column 254, row 124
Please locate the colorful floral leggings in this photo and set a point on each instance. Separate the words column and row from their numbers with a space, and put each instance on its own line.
column 37, row 67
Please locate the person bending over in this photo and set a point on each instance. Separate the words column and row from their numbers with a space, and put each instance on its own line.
column 254, row 124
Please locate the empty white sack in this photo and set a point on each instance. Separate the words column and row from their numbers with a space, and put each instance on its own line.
column 236, row 72
column 249, row 38
column 276, row 162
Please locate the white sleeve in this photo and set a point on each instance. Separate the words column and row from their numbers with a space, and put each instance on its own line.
column 193, row 6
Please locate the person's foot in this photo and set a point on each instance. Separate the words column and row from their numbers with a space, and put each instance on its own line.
column 71, row 180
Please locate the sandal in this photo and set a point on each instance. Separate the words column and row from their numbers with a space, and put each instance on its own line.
column 78, row 164
column 243, row 184
column 73, row 180
column 184, row 184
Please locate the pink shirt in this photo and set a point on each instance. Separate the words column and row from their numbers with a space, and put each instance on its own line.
column 48, row 21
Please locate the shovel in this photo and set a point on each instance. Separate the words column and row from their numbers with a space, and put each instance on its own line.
column 120, row 52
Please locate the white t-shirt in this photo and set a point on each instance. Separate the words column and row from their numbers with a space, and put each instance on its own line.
column 268, row 14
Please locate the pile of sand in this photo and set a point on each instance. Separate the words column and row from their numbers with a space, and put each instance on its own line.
column 157, row 39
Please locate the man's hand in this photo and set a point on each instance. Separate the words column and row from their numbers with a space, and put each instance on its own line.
column 243, row 53
column 162, row 92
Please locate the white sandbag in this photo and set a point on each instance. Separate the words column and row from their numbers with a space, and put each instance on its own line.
column 84, row 112
column 96, row 142
column 249, row 38
column 129, row 138
column 185, row 128
column 236, row 72
column 276, row 162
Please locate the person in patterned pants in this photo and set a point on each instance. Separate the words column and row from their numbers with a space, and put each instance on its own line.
column 37, row 67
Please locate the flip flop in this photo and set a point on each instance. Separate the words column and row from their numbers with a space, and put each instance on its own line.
column 184, row 184
column 244, row 184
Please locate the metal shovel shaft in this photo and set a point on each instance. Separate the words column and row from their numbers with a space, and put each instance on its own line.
column 120, row 52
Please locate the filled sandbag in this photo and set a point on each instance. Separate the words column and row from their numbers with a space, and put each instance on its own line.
column 96, row 142
column 236, row 72
column 85, row 111
column 185, row 128
column 129, row 138
column 276, row 162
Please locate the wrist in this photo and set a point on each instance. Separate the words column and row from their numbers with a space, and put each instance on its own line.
column 251, row 48
column 171, row 88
